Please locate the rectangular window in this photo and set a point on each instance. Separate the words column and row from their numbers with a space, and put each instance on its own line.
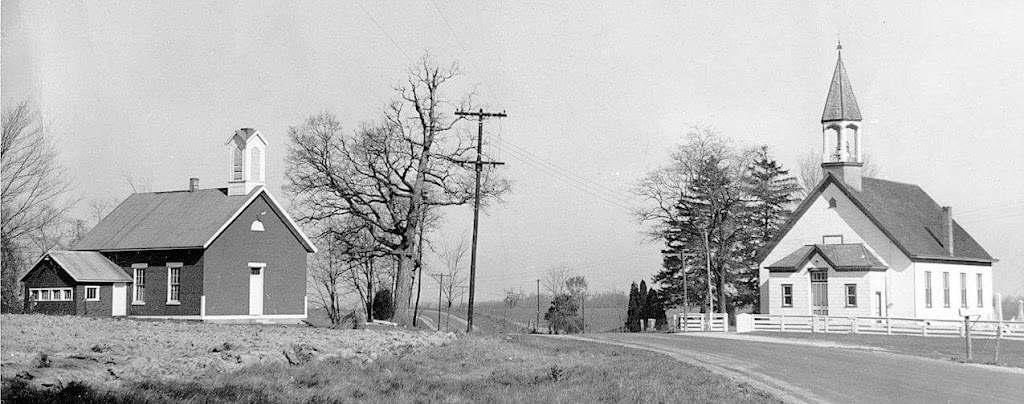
column 51, row 294
column 981, row 292
column 787, row 295
column 963, row 290
column 927, row 288
column 139, row 290
column 945, row 289
column 173, row 283
column 832, row 239
column 92, row 293
column 851, row 295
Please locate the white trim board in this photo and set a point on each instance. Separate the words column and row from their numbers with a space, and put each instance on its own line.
column 260, row 189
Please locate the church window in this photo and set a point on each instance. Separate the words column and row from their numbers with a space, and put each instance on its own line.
column 927, row 288
column 851, row 295
column 945, row 289
column 963, row 290
column 981, row 293
column 787, row 295
column 257, row 225
column 254, row 162
column 832, row 239
column 236, row 165
column 832, row 202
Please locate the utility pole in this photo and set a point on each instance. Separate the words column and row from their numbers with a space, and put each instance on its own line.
column 440, row 287
column 536, row 326
column 478, row 166
column 683, row 255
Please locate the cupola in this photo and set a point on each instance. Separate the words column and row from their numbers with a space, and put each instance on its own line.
column 246, row 152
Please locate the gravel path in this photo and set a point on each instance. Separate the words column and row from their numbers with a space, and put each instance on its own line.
column 54, row 350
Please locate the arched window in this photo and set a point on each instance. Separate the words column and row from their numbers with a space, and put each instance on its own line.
column 236, row 165
column 831, row 202
column 833, row 146
column 257, row 225
column 852, row 142
column 255, row 161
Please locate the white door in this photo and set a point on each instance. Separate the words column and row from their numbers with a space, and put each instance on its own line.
column 119, row 300
column 255, row 291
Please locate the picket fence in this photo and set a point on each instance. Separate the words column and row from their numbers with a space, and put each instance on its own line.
column 700, row 322
column 1013, row 330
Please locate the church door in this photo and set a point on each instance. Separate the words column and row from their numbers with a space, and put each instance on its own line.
column 819, row 293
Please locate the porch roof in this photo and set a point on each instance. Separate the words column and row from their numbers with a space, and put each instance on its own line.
column 841, row 257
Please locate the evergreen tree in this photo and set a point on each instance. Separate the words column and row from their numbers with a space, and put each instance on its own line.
column 642, row 304
column 383, row 305
column 771, row 195
column 633, row 309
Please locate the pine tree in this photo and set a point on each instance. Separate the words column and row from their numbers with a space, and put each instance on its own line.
column 632, row 310
column 771, row 196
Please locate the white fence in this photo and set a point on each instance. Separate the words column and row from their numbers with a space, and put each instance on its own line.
column 700, row 322
column 884, row 326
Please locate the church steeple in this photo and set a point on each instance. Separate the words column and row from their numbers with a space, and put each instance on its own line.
column 841, row 128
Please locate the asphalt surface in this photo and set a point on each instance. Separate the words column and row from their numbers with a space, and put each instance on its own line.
column 799, row 373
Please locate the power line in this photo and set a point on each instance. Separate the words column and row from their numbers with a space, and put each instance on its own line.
column 616, row 192
column 464, row 50
column 393, row 42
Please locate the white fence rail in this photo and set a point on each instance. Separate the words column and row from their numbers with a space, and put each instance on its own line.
column 1013, row 330
column 700, row 322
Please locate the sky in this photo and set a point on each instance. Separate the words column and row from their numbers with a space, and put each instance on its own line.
column 597, row 94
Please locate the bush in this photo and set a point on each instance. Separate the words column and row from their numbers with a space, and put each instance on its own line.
column 383, row 305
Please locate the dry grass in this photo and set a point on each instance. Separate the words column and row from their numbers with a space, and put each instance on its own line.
column 471, row 370
column 1011, row 353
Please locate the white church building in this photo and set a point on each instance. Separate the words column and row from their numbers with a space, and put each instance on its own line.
column 861, row 246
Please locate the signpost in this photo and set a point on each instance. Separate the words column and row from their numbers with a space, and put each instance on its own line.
column 967, row 314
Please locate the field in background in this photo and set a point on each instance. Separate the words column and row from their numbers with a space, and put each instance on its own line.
column 472, row 369
column 604, row 311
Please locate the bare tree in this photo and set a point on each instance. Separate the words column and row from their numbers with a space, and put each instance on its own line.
column 33, row 183
column 453, row 258
column 555, row 278
column 811, row 173
column 512, row 299
column 326, row 276
column 387, row 172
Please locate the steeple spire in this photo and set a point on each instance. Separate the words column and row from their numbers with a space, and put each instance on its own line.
column 840, row 105
column 841, row 143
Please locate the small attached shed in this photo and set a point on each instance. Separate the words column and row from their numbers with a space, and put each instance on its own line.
column 76, row 283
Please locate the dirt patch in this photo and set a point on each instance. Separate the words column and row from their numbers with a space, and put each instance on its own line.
column 52, row 351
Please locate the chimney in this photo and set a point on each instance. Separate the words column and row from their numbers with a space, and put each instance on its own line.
column 947, row 217
column 193, row 184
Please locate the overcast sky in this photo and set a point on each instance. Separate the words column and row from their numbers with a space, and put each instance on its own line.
column 596, row 96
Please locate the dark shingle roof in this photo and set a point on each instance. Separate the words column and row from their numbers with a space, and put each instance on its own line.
column 87, row 266
column 910, row 218
column 840, row 105
column 174, row 220
column 842, row 257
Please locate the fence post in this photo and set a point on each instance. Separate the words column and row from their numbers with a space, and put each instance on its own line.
column 782, row 323
column 826, row 323
column 924, row 328
column 888, row 326
column 853, row 325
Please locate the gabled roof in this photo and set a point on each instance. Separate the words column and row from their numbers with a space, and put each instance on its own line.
column 842, row 257
column 85, row 266
column 840, row 105
column 905, row 214
column 176, row 220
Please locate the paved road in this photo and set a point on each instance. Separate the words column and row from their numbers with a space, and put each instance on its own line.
column 816, row 374
column 456, row 324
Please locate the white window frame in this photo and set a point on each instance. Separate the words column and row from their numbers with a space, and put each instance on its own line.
column 963, row 289
column 787, row 287
column 981, row 290
column 136, row 270
column 237, row 163
column 52, row 294
column 945, row 289
column 96, row 293
column 847, row 289
column 171, row 267
column 831, row 238
column 928, row 289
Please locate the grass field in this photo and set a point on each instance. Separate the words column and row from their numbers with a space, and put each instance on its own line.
column 1011, row 353
column 470, row 370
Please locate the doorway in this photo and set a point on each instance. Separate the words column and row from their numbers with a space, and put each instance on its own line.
column 118, row 300
column 819, row 293
column 256, row 289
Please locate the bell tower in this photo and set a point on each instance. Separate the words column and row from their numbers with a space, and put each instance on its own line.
column 841, row 130
column 246, row 149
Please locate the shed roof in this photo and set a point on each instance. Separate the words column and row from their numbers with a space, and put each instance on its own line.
column 175, row 220
column 842, row 257
column 86, row 266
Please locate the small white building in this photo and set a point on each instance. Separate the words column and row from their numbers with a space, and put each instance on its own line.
column 861, row 246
